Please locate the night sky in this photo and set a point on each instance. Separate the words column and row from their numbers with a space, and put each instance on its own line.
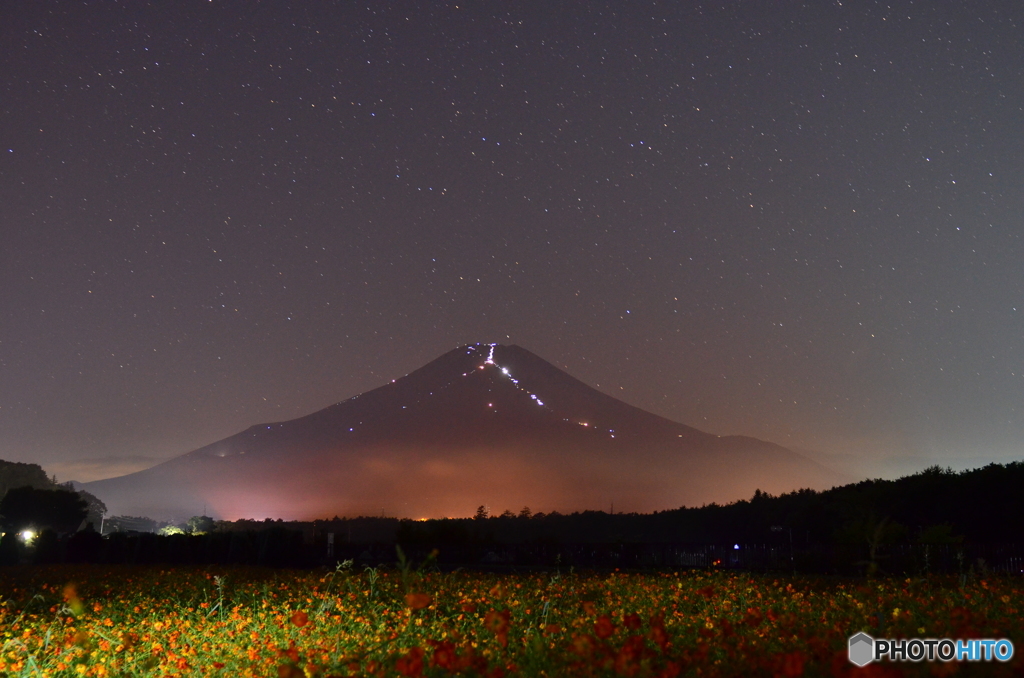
column 800, row 222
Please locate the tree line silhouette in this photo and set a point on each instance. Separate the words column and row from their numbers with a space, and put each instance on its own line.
column 937, row 519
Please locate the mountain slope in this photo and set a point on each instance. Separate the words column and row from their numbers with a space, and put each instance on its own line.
column 482, row 424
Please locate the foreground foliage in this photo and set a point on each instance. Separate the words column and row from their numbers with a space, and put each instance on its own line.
column 107, row 621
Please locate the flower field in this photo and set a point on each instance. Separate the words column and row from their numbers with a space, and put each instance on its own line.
column 123, row 621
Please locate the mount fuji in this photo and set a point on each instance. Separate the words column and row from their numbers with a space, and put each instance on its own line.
column 484, row 424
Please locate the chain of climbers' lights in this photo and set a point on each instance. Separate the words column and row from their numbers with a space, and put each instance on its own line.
column 505, row 372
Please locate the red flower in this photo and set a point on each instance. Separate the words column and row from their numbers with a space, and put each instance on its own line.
column 631, row 621
column 300, row 619
column 444, row 655
column 603, row 627
column 498, row 622
column 411, row 664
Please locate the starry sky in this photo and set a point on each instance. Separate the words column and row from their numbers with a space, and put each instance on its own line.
column 795, row 221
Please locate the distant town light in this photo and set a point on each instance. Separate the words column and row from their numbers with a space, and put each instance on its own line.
column 27, row 535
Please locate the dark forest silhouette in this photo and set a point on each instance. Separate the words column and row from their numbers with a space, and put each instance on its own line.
column 935, row 519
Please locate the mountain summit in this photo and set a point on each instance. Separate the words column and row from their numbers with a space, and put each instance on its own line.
column 482, row 424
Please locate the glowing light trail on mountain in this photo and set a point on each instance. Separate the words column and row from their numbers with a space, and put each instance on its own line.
column 489, row 360
column 505, row 372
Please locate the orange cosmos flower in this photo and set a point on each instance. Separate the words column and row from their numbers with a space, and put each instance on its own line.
column 417, row 601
